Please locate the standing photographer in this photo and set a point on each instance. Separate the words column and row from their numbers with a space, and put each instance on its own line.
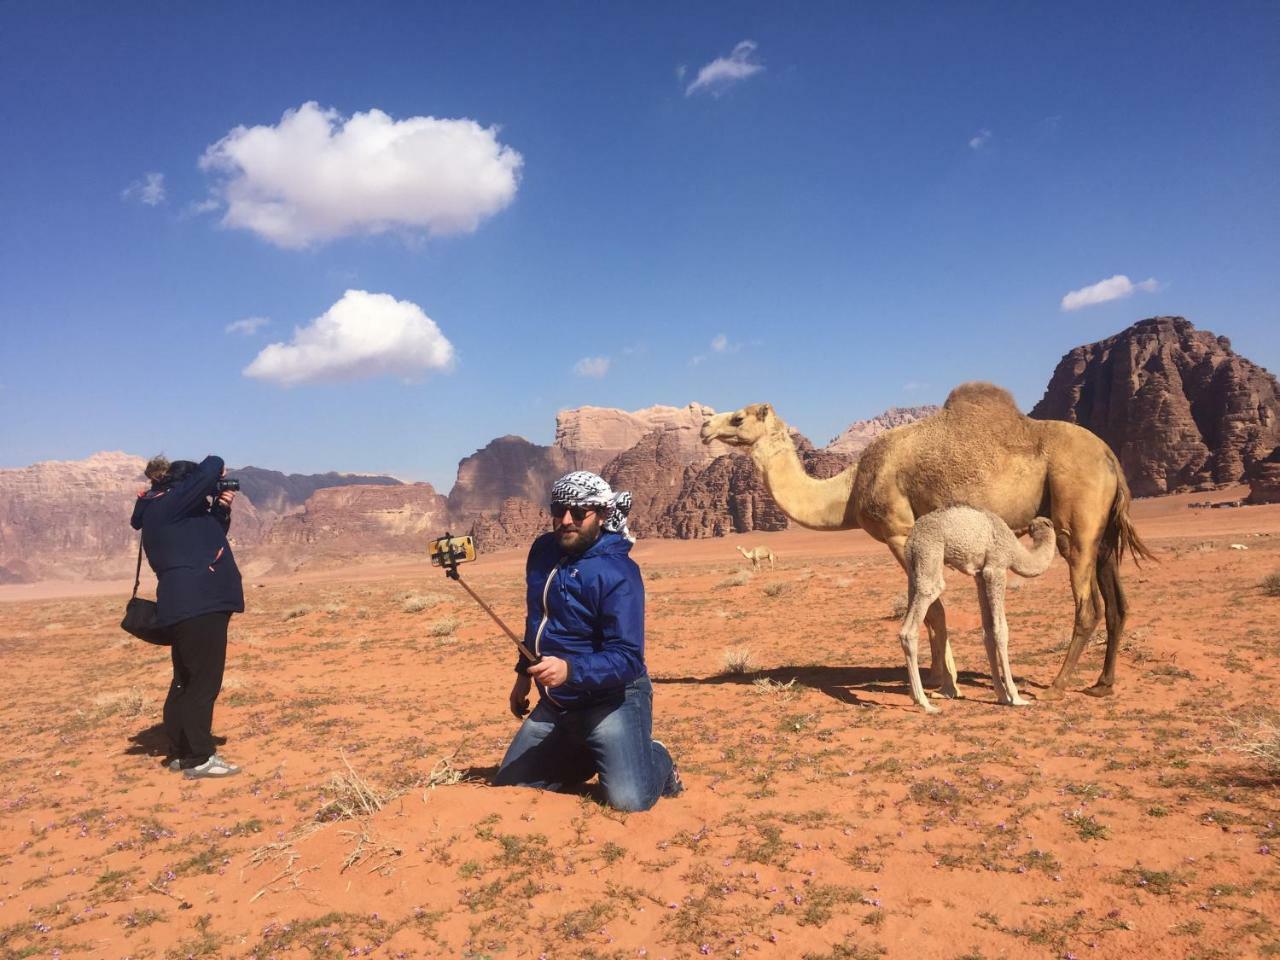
column 184, row 519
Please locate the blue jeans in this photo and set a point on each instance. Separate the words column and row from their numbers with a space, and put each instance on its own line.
column 557, row 749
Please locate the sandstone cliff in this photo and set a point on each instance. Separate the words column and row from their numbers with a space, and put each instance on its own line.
column 854, row 439
column 1177, row 405
column 273, row 492
column 69, row 519
column 1264, row 479
column 507, row 467
column 517, row 524
column 365, row 519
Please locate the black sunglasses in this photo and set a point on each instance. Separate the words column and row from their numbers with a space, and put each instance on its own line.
column 578, row 513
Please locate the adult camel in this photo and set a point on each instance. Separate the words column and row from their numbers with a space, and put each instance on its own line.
column 979, row 450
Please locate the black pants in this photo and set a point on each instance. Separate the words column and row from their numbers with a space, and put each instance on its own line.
column 199, row 658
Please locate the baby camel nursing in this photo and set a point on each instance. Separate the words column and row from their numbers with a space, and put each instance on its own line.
column 979, row 543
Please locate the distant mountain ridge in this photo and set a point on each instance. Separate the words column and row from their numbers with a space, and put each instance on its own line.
column 280, row 493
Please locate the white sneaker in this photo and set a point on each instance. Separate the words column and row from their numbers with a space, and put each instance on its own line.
column 215, row 766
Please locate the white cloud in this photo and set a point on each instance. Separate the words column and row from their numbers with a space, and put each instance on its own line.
column 1113, row 288
column 149, row 190
column 720, row 344
column 317, row 175
column 248, row 326
column 362, row 335
column 723, row 72
column 915, row 386
column 593, row 367
column 980, row 139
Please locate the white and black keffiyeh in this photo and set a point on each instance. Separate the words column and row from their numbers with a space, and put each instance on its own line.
column 585, row 489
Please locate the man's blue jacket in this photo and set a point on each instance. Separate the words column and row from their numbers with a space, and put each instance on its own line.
column 587, row 609
column 186, row 545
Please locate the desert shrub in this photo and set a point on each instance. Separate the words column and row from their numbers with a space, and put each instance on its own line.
column 776, row 589
column 737, row 660
column 294, row 612
column 1271, row 585
column 444, row 627
column 739, row 579
column 417, row 602
column 1257, row 738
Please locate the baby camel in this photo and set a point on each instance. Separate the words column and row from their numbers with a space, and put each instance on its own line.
column 756, row 554
column 979, row 543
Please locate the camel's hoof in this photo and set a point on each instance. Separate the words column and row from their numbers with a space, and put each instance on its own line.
column 1099, row 690
column 1050, row 694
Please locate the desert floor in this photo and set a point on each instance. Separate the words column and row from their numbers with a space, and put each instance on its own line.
column 825, row 815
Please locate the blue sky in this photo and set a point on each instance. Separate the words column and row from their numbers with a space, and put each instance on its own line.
column 834, row 207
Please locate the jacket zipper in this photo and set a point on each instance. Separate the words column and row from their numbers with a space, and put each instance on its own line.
column 537, row 637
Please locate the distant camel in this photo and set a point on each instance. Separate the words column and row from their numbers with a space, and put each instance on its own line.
column 978, row 543
column 756, row 554
column 978, row 449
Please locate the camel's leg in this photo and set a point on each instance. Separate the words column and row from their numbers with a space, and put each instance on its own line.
column 1082, row 555
column 1006, row 689
column 771, row 561
column 1116, row 609
column 942, row 666
column 909, row 637
column 989, row 634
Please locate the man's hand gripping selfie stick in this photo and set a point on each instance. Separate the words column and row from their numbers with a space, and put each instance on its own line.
column 448, row 552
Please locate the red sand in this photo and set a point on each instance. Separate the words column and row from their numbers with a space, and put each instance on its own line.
column 825, row 816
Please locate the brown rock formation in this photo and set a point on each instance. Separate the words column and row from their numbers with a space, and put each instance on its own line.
column 517, row 524
column 855, row 437
column 1177, row 405
column 69, row 519
column 1264, row 479
column 507, row 467
column 365, row 519
column 729, row 496
column 654, row 471
column 592, row 436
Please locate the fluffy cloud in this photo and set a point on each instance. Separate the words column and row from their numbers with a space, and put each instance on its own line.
column 980, row 139
column 317, row 175
column 723, row 72
column 149, row 190
column 1113, row 288
column 247, row 326
column 362, row 335
column 593, row 367
column 720, row 344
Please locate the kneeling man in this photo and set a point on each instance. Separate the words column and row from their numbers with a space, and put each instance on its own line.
column 586, row 624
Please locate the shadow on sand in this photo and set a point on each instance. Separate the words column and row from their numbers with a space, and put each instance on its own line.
column 842, row 683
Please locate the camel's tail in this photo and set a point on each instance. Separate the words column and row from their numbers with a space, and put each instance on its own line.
column 1120, row 534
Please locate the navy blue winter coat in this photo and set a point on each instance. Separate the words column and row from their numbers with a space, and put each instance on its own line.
column 593, row 617
column 186, row 545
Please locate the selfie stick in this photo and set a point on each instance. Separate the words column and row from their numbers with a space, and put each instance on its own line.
column 450, row 564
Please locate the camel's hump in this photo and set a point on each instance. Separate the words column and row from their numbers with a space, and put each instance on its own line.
column 979, row 393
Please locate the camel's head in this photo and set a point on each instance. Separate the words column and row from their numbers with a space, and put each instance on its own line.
column 742, row 428
column 1041, row 527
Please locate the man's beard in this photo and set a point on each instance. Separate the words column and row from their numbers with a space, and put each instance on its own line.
column 576, row 541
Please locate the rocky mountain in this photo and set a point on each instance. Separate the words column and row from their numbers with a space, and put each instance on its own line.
column 274, row 492
column 516, row 524
column 1179, row 407
column 586, row 438
column 69, row 519
column 365, row 519
column 1264, row 479
column 729, row 495
column 854, row 439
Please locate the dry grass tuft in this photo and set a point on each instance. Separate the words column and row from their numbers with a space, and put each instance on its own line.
column 294, row 612
column 1271, row 585
column 417, row 602
column 348, row 796
column 1257, row 738
column 737, row 660
column 776, row 589
column 443, row 628
column 739, row 579
column 899, row 608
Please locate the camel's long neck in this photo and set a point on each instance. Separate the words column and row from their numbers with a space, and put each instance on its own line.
column 1033, row 562
column 810, row 502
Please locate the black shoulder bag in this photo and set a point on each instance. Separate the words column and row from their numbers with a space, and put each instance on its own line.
column 140, row 615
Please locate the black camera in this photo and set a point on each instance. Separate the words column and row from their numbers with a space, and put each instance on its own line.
column 226, row 484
